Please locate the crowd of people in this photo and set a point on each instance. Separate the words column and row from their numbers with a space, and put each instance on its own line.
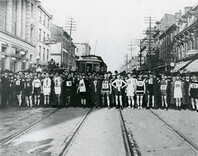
column 131, row 90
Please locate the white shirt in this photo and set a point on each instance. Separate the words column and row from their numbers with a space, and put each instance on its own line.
column 82, row 87
column 47, row 83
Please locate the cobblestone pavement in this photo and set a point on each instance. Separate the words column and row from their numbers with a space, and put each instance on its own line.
column 47, row 138
column 153, row 137
column 13, row 120
column 184, row 121
column 99, row 135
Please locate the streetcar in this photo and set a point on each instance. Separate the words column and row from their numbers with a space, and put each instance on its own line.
column 91, row 63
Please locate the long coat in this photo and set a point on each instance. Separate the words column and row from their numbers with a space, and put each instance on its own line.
column 96, row 93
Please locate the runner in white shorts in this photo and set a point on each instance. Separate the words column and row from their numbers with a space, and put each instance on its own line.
column 46, row 88
column 57, row 87
column 130, row 90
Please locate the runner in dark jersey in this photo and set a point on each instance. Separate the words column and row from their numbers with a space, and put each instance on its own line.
column 18, row 89
column 28, row 90
column 193, row 92
column 106, row 90
column 163, row 89
column 140, row 91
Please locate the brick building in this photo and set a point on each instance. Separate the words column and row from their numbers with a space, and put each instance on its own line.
column 61, row 52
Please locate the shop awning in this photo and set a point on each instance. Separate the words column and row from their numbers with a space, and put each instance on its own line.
column 192, row 67
column 180, row 65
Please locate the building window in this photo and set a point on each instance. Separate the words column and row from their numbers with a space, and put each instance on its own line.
column 48, row 22
column 39, row 52
column 23, row 65
column 31, row 34
column 40, row 34
column 14, row 16
column 40, row 16
column 43, row 54
column 43, row 36
column 47, row 36
column 3, row 15
column 44, row 20
column 47, row 54
column 32, row 10
column 31, row 57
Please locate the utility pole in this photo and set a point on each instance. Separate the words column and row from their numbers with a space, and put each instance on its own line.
column 140, row 52
column 149, row 20
column 127, row 60
column 131, row 49
column 70, row 26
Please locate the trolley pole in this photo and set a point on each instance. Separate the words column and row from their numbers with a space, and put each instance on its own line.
column 70, row 26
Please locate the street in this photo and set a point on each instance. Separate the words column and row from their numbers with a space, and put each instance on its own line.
column 96, row 132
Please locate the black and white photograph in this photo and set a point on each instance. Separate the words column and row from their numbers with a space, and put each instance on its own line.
column 98, row 77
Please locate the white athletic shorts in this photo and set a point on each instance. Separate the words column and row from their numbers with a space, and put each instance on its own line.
column 57, row 90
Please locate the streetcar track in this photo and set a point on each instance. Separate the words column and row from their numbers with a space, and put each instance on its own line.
column 12, row 137
column 70, row 139
column 180, row 135
column 129, row 143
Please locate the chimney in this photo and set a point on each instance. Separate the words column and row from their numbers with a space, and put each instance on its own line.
column 178, row 15
column 187, row 9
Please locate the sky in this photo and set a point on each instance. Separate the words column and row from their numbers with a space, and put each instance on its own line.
column 109, row 26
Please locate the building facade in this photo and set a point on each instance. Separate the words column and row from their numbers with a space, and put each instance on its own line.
column 166, row 52
column 17, row 33
column 187, row 34
column 21, row 43
column 43, row 36
column 61, row 51
column 82, row 49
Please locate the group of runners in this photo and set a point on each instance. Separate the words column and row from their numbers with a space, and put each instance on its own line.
column 99, row 90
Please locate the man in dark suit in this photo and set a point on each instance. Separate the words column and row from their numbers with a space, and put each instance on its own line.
column 96, row 91
column 5, row 89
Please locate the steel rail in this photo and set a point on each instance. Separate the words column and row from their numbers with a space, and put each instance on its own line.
column 70, row 139
column 129, row 143
column 180, row 135
column 12, row 137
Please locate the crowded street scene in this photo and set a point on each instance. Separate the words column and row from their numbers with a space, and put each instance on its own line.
column 98, row 78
